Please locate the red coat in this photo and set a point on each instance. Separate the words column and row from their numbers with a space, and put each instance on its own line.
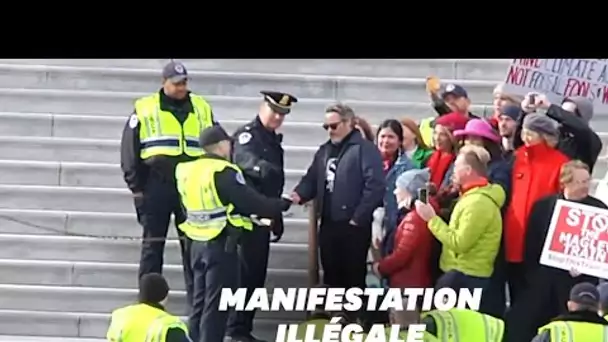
column 409, row 263
column 535, row 174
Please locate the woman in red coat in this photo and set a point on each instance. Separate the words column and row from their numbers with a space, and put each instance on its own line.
column 408, row 265
column 536, row 169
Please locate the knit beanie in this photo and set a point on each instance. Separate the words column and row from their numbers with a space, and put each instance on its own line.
column 153, row 288
column 412, row 180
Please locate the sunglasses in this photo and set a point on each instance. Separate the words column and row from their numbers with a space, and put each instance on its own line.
column 333, row 126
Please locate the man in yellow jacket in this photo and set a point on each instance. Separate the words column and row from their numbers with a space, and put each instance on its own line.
column 147, row 320
column 581, row 323
column 470, row 241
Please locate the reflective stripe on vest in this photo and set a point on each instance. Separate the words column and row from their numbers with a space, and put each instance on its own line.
column 206, row 214
column 459, row 325
column 161, row 133
column 563, row 331
column 141, row 322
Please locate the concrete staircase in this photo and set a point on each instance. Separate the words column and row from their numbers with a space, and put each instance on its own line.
column 63, row 202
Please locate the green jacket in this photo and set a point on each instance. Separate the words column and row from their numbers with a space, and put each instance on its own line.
column 420, row 157
column 471, row 240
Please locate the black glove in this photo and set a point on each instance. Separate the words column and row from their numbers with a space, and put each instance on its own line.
column 285, row 204
column 277, row 229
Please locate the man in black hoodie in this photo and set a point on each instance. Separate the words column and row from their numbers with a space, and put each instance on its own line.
column 577, row 140
column 548, row 287
column 581, row 323
column 347, row 181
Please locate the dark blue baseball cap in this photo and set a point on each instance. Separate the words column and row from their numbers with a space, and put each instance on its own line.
column 603, row 291
column 454, row 90
column 175, row 72
column 585, row 293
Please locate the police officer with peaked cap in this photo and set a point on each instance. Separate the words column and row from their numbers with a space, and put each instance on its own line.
column 258, row 152
column 162, row 132
column 217, row 205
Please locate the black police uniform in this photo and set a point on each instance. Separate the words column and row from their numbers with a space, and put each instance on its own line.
column 155, row 179
column 215, row 262
column 259, row 154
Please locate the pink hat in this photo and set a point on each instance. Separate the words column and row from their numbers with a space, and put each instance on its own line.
column 478, row 128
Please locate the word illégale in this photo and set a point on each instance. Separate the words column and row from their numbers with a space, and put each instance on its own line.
column 334, row 332
column 563, row 77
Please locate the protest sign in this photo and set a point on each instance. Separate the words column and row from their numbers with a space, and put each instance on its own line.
column 560, row 78
column 577, row 238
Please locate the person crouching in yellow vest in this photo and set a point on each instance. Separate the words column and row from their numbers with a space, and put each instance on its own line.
column 217, row 208
column 463, row 325
column 147, row 320
column 581, row 323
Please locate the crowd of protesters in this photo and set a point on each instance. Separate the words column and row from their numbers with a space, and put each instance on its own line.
column 492, row 184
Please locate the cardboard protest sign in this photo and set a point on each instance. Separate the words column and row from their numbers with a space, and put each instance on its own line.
column 577, row 238
column 560, row 78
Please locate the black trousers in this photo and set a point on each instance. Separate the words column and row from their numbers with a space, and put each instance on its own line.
column 344, row 253
column 214, row 267
column 154, row 210
column 253, row 267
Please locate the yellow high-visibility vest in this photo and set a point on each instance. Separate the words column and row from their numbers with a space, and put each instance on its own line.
column 142, row 323
column 564, row 331
column 426, row 130
column 206, row 214
column 161, row 133
column 459, row 325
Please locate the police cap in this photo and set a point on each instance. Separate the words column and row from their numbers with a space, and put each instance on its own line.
column 279, row 102
column 213, row 135
column 175, row 72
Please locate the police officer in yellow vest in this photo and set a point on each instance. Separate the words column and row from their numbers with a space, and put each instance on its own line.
column 463, row 325
column 217, row 205
column 581, row 323
column 162, row 132
column 147, row 320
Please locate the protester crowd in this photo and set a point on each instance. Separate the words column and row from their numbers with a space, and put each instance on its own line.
column 455, row 201
column 491, row 185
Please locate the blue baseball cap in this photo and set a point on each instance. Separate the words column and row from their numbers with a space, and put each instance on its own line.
column 585, row 293
column 175, row 72
column 454, row 90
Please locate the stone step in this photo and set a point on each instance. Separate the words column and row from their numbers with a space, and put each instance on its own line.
column 78, row 223
column 113, row 275
column 478, row 69
column 224, row 107
column 96, row 300
column 112, row 200
column 83, row 325
column 72, row 248
column 230, row 83
column 108, row 127
column 105, row 151
column 25, row 172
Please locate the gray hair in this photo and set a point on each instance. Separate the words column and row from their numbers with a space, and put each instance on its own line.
column 345, row 112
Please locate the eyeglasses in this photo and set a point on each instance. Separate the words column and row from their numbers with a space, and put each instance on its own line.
column 333, row 126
